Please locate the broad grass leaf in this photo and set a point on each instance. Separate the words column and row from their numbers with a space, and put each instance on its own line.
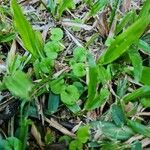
column 99, row 100
column 31, row 39
column 139, row 128
column 145, row 11
column 93, row 80
column 14, row 62
column 115, row 5
column 83, row 133
column 146, row 38
column 8, row 37
column 23, row 132
column 19, row 85
column 124, row 40
column 112, row 131
column 140, row 92
column 70, row 95
column 136, row 62
column 103, row 75
column 128, row 17
column 145, row 78
column 63, row 5
column 145, row 101
column 144, row 46
column 98, row 6
column 118, row 115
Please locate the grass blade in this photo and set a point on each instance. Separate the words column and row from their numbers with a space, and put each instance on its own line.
column 124, row 40
column 97, row 7
column 141, row 92
column 31, row 39
column 145, row 79
column 139, row 128
column 136, row 62
column 99, row 100
column 93, row 80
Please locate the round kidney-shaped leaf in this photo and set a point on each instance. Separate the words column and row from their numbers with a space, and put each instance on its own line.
column 70, row 95
column 79, row 54
column 79, row 69
column 57, row 34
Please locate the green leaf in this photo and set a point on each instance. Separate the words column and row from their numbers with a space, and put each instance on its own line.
column 31, row 40
column 136, row 62
column 112, row 131
column 124, row 40
column 56, row 34
column 103, row 75
column 52, row 46
column 52, row 6
column 49, row 137
column 93, row 79
column 99, row 100
column 75, row 145
column 139, row 128
column 145, row 9
column 19, row 85
column 117, row 115
column 75, row 108
column 136, row 145
column 80, row 87
column 128, row 17
column 70, row 95
column 65, row 139
column 145, row 101
column 141, row 92
column 13, row 62
column 11, row 143
column 115, row 5
column 79, row 69
column 53, row 102
column 23, row 132
column 98, row 6
column 63, row 5
column 8, row 37
column 145, row 79
column 106, row 145
column 122, row 87
column 83, row 134
column 144, row 46
column 79, row 54
column 45, row 65
column 57, row 86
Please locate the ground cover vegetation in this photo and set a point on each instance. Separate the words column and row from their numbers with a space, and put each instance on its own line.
column 75, row 74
